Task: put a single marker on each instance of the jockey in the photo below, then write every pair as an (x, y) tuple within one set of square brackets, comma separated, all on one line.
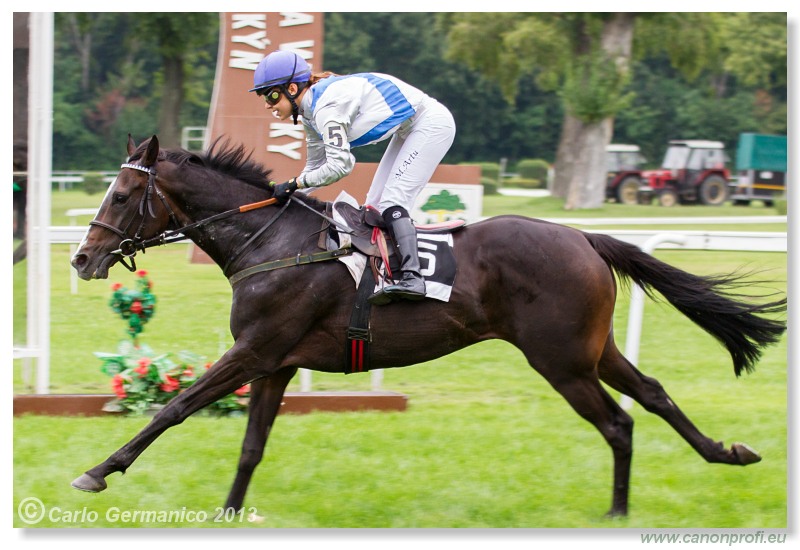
[(340, 112)]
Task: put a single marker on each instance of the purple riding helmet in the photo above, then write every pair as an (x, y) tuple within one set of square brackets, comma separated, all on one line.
[(276, 71)]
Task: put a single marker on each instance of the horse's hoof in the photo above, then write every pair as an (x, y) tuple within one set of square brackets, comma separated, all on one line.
[(745, 454), (89, 484), (616, 514)]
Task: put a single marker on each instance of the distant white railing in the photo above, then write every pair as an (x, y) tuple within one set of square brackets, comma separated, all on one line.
[(707, 240), (648, 240)]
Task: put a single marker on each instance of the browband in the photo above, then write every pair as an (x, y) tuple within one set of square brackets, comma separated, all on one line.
[(137, 167)]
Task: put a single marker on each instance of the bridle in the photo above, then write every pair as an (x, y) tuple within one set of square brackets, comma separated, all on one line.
[(130, 245)]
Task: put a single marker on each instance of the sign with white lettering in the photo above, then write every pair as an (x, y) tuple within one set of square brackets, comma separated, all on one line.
[(240, 116)]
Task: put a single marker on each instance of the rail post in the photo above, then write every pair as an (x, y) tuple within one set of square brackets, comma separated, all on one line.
[(636, 309)]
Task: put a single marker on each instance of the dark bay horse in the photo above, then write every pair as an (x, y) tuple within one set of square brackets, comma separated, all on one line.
[(547, 289)]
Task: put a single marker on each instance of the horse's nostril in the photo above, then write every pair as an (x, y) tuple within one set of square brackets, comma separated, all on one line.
[(79, 260)]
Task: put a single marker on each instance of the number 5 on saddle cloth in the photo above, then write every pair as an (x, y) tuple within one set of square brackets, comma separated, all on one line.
[(367, 236)]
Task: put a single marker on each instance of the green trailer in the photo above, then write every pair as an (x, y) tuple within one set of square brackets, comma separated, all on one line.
[(760, 169)]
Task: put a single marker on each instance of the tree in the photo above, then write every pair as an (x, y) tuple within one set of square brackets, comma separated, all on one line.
[(710, 76), (756, 48), (104, 74), (587, 58), (411, 46), (79, 30), (756, 54), (112, 77), (179, 36)]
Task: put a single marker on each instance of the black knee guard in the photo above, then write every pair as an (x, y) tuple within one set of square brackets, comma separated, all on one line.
[(394, 213)]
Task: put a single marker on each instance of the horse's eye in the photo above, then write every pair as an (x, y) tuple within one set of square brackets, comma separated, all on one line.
[(119, 198)]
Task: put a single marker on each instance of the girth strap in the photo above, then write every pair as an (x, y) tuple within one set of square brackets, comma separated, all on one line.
[(357, 347)]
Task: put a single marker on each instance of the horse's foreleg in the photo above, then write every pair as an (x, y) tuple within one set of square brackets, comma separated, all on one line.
[(616, 371), (266, 395), (594, 404), (226, 376)]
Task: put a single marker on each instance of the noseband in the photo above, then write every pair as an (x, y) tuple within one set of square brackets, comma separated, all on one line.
[(131, 245)]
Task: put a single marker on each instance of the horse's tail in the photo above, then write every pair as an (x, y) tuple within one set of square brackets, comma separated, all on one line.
[(707, 300)]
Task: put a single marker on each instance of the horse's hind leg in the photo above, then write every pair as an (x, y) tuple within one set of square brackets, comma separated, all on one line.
[(227, 375), (616, 371), (266, 395)]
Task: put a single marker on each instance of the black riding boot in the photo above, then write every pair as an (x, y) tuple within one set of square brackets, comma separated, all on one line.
[(411, 285)]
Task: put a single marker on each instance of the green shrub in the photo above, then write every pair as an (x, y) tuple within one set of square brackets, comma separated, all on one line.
[(533, 169), (489, 170), (489, 186), (782, 206)]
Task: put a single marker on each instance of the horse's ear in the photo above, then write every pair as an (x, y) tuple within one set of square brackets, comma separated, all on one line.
[(131, 145), (151, 155)]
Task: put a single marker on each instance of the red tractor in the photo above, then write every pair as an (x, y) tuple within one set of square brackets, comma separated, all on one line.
[(623, 173), (693, 171)]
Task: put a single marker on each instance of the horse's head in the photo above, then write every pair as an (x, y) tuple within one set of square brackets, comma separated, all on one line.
[(128, 215)]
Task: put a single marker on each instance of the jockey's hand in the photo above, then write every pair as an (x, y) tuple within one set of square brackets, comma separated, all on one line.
[(282, 191)]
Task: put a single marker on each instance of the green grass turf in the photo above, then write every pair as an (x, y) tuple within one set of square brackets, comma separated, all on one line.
[(485, 443)]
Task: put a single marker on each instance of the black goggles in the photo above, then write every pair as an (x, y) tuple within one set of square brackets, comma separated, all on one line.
[(272, 95)]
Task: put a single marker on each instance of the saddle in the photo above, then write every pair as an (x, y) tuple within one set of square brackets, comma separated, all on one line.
[(368, 230), (367, 234)]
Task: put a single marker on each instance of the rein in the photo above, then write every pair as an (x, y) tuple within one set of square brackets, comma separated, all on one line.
[(129, 247)]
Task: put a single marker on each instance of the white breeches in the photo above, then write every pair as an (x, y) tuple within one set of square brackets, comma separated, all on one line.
[(413, 154)]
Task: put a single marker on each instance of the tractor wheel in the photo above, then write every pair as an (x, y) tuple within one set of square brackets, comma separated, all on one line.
[(714, 191), (668, 197), (627, 190)]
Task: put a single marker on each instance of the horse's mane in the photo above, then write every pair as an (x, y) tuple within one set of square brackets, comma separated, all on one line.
[(225, 158), (221, 156), (234, 161)]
